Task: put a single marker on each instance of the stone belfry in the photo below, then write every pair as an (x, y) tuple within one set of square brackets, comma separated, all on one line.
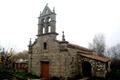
[(47, 22)]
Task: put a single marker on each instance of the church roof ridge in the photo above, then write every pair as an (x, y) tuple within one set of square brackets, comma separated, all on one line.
[(79, 47), (71, 45)]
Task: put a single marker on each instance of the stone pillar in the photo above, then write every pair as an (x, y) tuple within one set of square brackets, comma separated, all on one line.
[(53, 28), (30, 57)]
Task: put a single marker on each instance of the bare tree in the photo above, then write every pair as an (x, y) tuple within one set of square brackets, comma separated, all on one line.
[(21, 55), (114, 51), (98, 44)]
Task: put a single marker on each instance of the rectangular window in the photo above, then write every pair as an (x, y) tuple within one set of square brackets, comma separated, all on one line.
[(45, 45)]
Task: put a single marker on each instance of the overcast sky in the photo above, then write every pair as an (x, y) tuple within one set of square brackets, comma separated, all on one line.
[(80, 19)]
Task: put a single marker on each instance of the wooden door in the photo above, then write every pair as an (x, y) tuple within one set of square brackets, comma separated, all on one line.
[(45, 69)]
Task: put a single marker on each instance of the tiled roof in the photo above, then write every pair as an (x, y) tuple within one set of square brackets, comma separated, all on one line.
[(78, 47), (96, 57), (87, 52)]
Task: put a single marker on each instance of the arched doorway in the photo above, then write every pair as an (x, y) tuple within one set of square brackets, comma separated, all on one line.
[(86, 69)]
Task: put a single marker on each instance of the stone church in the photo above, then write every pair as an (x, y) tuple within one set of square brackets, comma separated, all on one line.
[(49, 57)]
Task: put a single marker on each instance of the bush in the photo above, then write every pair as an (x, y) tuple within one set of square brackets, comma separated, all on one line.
[(24, 75), (5, 74), (114, 74)]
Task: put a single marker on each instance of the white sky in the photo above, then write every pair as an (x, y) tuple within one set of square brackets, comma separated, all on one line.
[(80, 19)]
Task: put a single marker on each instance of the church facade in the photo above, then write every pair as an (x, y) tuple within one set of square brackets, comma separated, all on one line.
[(49, 57)]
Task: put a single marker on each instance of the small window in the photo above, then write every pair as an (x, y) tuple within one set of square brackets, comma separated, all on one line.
[(45, 45)]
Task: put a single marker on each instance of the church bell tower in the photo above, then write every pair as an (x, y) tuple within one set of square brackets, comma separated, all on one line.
[(47, 22)]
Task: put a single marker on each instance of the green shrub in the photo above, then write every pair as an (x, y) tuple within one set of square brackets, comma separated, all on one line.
[(24, 75), (5, 74)]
